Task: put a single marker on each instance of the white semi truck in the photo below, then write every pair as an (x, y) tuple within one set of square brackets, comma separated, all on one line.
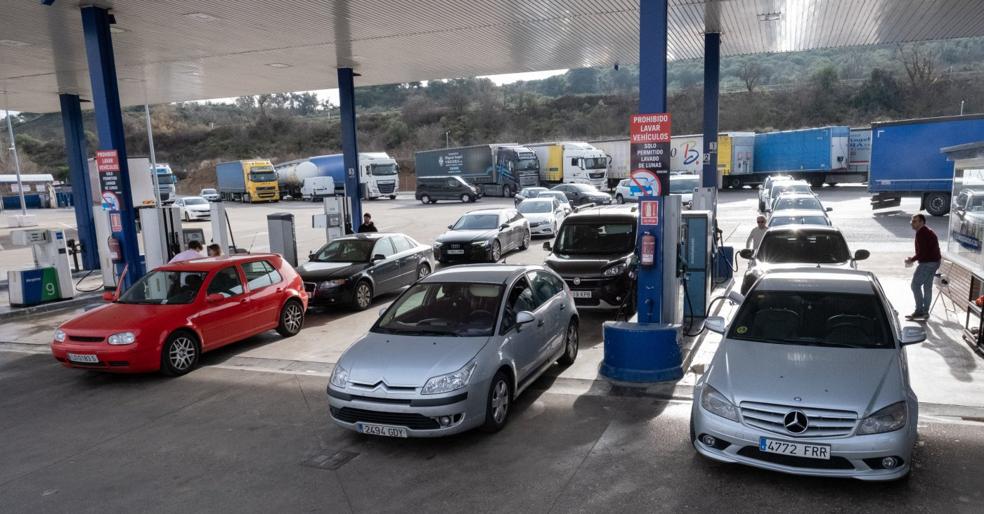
[(378, 174), (571, 162)]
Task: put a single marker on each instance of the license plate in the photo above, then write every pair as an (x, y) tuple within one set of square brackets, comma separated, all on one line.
[(581, 294), (795, 449), (456, 252), (84, 358), (383, 430)]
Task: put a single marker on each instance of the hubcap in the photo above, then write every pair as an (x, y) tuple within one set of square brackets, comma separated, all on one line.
[(182, 353), (496, 251), (424, 271), (500, 401), (571, 340), (292, 318), (464, 198), (363, 296)]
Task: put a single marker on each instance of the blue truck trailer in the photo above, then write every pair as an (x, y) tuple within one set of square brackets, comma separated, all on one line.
[(817, 155), (906, 160)]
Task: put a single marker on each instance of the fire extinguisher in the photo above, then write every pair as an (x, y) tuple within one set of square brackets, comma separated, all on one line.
[(115, 253), (648, 249)]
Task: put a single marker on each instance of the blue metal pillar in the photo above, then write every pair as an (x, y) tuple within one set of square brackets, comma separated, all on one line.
[(78, 172), (350, 145), (712, 72), (109, 124)]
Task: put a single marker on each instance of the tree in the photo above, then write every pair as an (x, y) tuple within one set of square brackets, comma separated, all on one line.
[(880, 93), (753, 74), (582, 81)]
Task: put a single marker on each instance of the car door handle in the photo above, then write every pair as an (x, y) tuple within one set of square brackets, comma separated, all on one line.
[(539, 323), (244, 300), (563, 306)]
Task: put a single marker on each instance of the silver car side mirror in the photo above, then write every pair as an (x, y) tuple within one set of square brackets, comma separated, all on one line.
[(524, 317), (736, 297), (715, 324), (912, 334), (382, 310)]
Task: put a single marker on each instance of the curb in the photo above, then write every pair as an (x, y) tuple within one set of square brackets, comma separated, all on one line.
[(73, 303)]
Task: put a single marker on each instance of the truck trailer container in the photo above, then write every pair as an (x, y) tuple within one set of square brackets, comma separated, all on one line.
[(378, 174), (496, 169), (906, 160), (571, 162), (817, 155), (247, 181), (859, 150)]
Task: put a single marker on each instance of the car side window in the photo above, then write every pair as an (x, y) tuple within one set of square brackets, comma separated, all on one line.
[(383, 247), (452, 184), (543, 287), (401, 244), (226, 282), (520, 299), (260, 274), (516, 216)]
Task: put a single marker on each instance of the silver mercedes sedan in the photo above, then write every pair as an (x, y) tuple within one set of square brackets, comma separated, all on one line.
[(454, 351), (811, 378)]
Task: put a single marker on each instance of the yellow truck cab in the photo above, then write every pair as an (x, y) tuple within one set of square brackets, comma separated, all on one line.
[(247, 181)]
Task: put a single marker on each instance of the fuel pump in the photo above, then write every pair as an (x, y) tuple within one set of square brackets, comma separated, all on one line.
[(51, 277), (280, 228), (162, 234), (332, 220)]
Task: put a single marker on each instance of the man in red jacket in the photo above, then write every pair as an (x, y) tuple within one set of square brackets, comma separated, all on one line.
[(928, 257)]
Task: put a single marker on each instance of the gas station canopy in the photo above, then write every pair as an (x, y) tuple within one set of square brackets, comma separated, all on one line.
[(179, 50)]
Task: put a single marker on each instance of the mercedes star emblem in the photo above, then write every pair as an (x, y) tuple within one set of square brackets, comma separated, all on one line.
[(795, 422), (577, 281)]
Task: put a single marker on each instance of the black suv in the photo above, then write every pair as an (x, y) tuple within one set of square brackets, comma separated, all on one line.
[(593, 253)]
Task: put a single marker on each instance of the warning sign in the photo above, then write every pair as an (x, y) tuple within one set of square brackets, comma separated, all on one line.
[(115, 222), (649, 212), (649, 137), (107, 160)]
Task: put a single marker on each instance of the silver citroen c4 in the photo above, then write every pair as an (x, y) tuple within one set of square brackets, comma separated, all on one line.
[(454, 351), (811, 378)]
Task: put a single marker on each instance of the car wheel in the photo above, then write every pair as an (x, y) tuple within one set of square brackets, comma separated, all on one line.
[(291, 319), (392, 197), (497, 405), (465, 198), (496, 251), (423, 270), (938, 204), (526, 240), (734, 183), (363, 295), (425, 199), (507, 192), (619, 199), (571, 341), (180, 354)]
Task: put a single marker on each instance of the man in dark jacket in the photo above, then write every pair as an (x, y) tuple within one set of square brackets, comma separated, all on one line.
[(367, 224), (928, 257)]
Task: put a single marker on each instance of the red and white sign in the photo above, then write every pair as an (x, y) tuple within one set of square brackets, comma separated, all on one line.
[(107, 160), (649, 128), (115, 222), (647, 182), (649, 212)]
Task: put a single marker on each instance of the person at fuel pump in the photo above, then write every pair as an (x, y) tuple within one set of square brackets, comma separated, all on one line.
[(755, 237), (214, 250), (928, 257), (194, 251), (367, 224)]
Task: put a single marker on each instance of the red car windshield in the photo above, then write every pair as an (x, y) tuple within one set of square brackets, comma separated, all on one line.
[(165, 288)]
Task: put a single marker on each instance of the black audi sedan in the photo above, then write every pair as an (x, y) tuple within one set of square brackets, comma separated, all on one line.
[(483, 236), (352, 270)]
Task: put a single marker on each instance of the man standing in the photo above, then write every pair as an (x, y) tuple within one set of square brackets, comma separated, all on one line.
[(755, 238), (367, 224), (928, 257), (194, 251)]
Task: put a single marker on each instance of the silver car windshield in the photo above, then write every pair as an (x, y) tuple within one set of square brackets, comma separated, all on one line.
[(825, 248), (801, 203), (454, 309), (815, 318)]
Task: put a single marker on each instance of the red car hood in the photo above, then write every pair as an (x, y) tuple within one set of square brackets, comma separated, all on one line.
[(116, 317)]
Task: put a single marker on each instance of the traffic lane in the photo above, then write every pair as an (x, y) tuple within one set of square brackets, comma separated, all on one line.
[(223, 440)]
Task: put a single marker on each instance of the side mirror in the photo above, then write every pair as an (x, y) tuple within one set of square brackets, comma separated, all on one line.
[(214, 298), (503, 226), (547, 247), (746, 253), (715, 324), (524, 317), (861, 255), (382, 310), (310, 255), (912, 334), (829, 209), (378, 257), (109, 296), (736, 297), (450, 227)]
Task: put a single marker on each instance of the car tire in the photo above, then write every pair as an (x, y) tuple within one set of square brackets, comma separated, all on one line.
[(496, 251), (425, 199), (392, 197), (497, 403), (734, 183), (423, 270), (619, 199), (465, 198), (291, 318), (362, 296), (507, 191), (938, 204), (180, 353), (526, 240), (571, 344)]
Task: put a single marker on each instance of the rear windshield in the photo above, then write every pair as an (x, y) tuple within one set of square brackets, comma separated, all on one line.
[(597, 238), (805, 203), (813, 319), (806, 247), (534, 207), (778, 221)]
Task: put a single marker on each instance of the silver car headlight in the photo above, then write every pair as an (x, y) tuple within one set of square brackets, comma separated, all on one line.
[(714, 402), (615, 270), (889, 419), (122, 338), (339, 377), (451, 381), (59, 336)]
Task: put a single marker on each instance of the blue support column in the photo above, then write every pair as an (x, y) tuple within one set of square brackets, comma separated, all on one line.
[(350, 145), (109, 124), (78, 172), (712, 72)]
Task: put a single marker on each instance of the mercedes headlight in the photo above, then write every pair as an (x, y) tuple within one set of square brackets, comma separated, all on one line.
[(451, 381), (59, 336), (889, 419), (714, 402), (615, 270), (339, 377), (122, 338)]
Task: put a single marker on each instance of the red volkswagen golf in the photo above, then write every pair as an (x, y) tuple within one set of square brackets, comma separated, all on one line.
[(176, 312)]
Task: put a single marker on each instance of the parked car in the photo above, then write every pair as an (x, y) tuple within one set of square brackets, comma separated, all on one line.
[(782, 186), (432, 189), (484, 235), (683, 185), (178, 311), (454, 351), (527, 193), (763, 191), (797, 246), (626, 191), (580, 194), (561, 197), (353, 270), (593, 252), (799, 202), (544, 214), (797, 217), (194, 208), (811, 378), (210, 194)]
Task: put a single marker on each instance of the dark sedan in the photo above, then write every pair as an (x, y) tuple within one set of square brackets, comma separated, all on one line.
[(352, 270), (484, 235), (580, 194)]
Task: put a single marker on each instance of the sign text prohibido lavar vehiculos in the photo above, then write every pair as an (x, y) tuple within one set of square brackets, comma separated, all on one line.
[(649, 136)]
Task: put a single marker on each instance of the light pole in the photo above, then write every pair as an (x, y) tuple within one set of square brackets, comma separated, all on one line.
[(13, 149), (447, 138)]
